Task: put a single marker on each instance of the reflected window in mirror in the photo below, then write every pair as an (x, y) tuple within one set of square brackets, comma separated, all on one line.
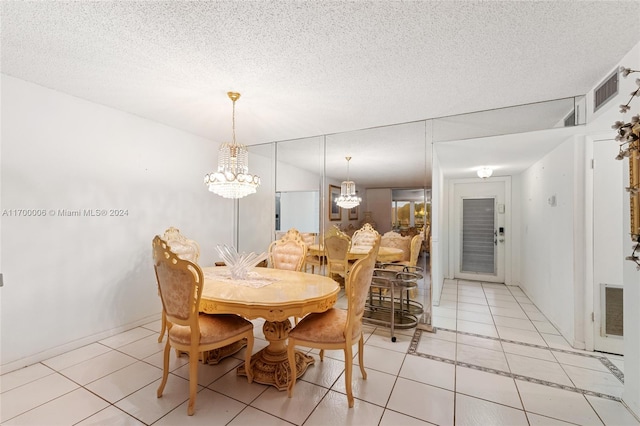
[(410, 209)]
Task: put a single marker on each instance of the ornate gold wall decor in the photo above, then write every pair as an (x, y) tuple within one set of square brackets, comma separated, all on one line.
[(629, 138), (634, 184)]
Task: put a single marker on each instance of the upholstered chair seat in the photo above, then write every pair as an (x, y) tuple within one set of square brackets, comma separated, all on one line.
[(213, 328), (338, 329), (326, 327)]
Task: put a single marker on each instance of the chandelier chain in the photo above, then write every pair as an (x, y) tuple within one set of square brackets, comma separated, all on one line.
[(233, 122)]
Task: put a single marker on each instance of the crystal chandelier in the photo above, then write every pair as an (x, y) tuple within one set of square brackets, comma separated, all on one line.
[(348, 198), (232, 180)]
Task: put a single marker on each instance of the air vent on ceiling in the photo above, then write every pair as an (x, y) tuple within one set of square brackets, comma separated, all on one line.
[(605, 91)]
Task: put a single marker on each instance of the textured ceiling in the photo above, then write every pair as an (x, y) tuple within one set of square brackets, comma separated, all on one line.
[(312, 68)]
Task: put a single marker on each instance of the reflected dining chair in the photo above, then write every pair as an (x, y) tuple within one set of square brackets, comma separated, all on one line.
[(410, 265), (180, 284), (312, 260), (184, 248), (364, 236), (395, 240), (289, 252), (338, 328), (426, 234), (336, 248)]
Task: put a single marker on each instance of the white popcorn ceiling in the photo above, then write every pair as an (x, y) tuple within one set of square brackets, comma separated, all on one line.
[(312, 68)]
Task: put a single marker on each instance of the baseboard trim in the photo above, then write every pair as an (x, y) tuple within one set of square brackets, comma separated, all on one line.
[(59, 350)]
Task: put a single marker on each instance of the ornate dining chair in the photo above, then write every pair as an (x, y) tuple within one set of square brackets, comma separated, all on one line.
[(182, 246), (180, 284), (426, 243), (336, 247), (395, 240), (185, 249), (410, 265), (364, 236), (338, 328), (349, 230), (289, 252), (312, 260)]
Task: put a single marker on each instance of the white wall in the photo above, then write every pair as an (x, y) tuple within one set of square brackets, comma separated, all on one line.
[(256, 214), (547, 236), (292, 178), (69, 281), (516, 229)]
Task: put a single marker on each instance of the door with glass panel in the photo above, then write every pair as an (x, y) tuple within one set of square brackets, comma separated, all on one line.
[(480, 231)]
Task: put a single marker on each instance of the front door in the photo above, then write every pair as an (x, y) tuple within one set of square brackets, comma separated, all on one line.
[(479, 230)]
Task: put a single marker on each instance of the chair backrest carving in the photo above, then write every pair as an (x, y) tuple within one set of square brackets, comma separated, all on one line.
[(364, 236), (182, 246), (180, 285), (395, 240), (336, 247), (289, 252)]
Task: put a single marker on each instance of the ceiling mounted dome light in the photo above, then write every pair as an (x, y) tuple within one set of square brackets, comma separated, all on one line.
[(348, 198), (485, 172), (232, 180)]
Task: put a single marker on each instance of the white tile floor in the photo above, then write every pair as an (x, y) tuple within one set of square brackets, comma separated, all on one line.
[(494, 360)]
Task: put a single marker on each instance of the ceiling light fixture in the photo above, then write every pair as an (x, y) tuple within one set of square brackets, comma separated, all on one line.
[(232, 180), (485, 172), (348, 198)]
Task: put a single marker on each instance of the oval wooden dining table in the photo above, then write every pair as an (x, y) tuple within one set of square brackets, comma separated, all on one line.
[(274, 295)]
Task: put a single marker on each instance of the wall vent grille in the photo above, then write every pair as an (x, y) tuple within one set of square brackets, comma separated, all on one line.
[(613, 312), (605, 91)]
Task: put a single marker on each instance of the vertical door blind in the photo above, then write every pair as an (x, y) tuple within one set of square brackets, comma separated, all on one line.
[(478, 238)]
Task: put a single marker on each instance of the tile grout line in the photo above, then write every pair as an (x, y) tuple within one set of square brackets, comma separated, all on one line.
[(418, 335), (604, 360)]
